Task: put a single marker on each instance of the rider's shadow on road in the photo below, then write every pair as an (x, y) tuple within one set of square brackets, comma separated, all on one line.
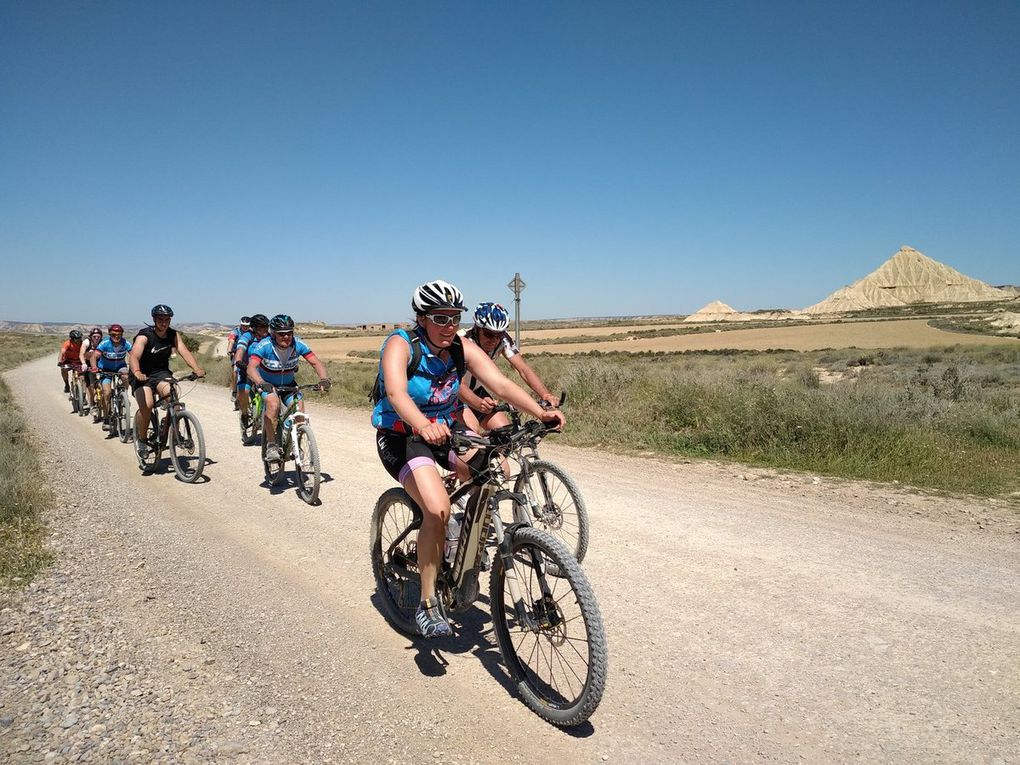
[(289, 482), (473, 634), (165, 466)]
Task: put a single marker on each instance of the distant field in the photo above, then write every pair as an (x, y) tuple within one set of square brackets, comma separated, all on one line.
[(906, 333), (909, 333)]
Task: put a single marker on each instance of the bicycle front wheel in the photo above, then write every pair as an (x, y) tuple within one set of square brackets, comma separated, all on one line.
[(83, 403), (187, 446), (307, 460), (150, 440), (557, 657), (556, 505), (394, 550), (124, 416)]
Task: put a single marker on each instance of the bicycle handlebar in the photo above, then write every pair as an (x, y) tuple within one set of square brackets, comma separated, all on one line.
[(292, 388)]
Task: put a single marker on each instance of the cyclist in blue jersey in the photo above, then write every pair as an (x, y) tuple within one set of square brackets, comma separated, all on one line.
[(273, 361), (111, 359), (259, 324), (424, 401), (232, 339)]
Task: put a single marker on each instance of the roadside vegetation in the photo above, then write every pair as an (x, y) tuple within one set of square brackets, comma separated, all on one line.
[(944, 418), (974, 325), (23, 497)]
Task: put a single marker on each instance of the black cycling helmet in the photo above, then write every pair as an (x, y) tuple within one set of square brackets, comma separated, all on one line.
[(162, 310), (246, 321), (75, 334), (281, 323), (260, 320)]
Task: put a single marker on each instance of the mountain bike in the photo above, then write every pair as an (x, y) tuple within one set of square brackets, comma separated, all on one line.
[(120, 407), (548, 627), (296, 440), (177, 428), (553, 499), (79, 402), (251, 419)]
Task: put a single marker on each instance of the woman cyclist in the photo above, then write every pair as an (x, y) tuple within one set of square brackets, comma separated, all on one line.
[(88, 361), (259, 324), (489, 333), (69, 356), (423, 401)]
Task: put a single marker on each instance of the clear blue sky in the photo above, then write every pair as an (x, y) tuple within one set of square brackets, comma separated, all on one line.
[(323, 158)]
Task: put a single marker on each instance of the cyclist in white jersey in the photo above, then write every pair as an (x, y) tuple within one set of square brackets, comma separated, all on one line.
[(489, 333)]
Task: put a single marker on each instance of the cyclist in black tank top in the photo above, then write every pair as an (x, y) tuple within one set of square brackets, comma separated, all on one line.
[(149, 362)]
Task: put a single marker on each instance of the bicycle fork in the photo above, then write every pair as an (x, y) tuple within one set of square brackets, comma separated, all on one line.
[(545, 614)]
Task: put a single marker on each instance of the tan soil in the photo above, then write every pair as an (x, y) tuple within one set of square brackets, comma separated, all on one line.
[(751, 616), (908, 333)]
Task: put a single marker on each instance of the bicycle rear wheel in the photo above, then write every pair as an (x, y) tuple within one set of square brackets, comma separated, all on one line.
[(73, 395), (557, 505), (558, 657), (308, 473), (394, 551), (187, 446)]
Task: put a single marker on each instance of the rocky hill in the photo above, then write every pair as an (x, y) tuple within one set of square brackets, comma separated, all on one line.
[(908, 277)]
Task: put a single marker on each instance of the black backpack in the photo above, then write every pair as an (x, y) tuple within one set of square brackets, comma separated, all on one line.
[(456, 353)]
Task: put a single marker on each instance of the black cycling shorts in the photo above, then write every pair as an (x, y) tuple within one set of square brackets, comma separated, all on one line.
[(400, 454), (151, 381)]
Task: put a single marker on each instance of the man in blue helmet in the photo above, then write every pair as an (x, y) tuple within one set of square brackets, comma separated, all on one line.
[(489, 333), (273, 361)]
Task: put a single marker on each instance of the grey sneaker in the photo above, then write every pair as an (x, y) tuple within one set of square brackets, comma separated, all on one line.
[(274, 453), (431, 621)]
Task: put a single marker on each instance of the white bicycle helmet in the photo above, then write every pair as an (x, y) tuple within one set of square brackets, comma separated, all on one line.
[(436, 295)]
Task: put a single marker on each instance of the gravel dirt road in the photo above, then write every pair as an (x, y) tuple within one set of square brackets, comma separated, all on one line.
[(751, 616)]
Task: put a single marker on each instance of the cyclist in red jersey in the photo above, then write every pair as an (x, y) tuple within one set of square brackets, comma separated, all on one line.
[(70, 355)]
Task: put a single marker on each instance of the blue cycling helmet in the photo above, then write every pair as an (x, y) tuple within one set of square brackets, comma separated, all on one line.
[(492, 316)]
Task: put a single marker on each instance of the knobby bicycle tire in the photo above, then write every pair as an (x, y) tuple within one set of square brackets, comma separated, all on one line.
[(309, 476), (250, 433), (393, 545), (124, 426), (273, 470), (562, 512), (187, 446), (83, 405), (151, 438), (570, 648)]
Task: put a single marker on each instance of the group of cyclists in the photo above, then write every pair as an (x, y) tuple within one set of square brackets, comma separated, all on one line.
[(432, 378)]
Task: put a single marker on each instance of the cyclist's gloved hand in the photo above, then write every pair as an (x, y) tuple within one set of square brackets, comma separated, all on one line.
[(200, 372), (325, 384), (266, 387), (486, 405)]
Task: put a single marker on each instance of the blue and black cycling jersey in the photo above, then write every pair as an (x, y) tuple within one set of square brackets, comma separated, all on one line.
[(112, 357), (278, 366), (433, 388)]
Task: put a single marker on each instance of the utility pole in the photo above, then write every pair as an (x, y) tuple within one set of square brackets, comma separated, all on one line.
[(517, 286)]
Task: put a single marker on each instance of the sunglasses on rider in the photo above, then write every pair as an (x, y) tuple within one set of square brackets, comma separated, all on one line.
[(443, 319), (492, 334)]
